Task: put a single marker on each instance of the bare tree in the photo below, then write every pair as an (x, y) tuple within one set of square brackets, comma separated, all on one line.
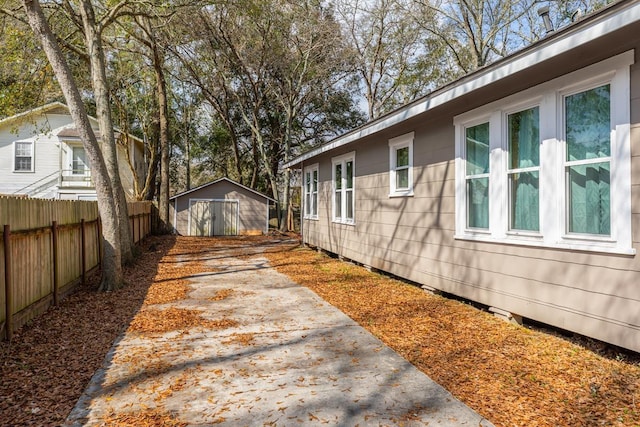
[(387, 45), (475, 32)]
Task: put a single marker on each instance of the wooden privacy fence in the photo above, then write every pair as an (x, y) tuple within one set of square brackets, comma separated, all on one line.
[(47, 247)]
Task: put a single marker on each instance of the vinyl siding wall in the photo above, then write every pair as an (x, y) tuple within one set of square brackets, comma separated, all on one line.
[(46, 151), (253, 209), (590, 293)]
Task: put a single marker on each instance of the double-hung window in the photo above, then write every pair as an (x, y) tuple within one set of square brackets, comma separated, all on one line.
[(23, 156), (401, 165), (587, 123), (550, 166), (477, 176), (523, 169), (343, 188), (311, 192)]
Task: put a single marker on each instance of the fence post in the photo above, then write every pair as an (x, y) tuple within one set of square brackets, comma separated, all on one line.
[(54, 234), (133, 224), (8, 294), (99, 233), (84, 252)]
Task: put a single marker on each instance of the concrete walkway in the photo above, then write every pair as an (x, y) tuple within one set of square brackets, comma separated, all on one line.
[(292, 359)]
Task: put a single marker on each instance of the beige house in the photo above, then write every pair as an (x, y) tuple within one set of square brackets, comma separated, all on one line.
[(220, 208), (517, 186), (42, 156)]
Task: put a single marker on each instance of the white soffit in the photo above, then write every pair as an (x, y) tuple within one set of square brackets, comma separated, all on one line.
[(602, 23)]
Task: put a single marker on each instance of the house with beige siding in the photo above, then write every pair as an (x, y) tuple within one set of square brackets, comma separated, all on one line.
[(516, 186), (220, 208), (42, 156)]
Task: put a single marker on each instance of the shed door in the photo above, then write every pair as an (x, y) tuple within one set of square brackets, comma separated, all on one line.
[(214, 218)]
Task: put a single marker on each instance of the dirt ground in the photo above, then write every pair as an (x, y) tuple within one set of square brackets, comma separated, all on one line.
[(514, 376)]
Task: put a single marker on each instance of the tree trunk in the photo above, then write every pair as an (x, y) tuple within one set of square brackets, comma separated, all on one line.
[(111, 261), (163, 120), (154, 160), (105, 123), (163, 112)]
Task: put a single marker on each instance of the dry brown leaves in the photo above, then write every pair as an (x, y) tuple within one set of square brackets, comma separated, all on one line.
[(512, 375), (48, 364), (245, 339), (172, 280), (174, 319), (222, 294), (146, 418)]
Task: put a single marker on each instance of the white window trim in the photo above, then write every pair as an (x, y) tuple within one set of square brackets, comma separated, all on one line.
[(549, 96), (33, 156), (310, 169), (343, 159), (395, 144)]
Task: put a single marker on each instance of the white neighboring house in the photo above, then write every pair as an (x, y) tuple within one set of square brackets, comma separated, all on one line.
[(41, 156)]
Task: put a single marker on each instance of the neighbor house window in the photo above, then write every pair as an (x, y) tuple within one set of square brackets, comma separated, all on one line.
[(552, 162), (477, 175), (23, 160), (79, 164), (311, 192), (343, 188), (401, 165)]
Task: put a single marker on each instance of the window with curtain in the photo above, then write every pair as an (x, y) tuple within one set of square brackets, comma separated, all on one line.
[(311, 192), (23, 160), (588, 159), (477, 175), (343, 188), (401, 165), (523, 170), (553, 163)]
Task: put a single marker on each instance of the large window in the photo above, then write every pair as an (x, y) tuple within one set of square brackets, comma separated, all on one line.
[(311, 192), (343, 188), (550, 166), (401, 165), (23, 159)]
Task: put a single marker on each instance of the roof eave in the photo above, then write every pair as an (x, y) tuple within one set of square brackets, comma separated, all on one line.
[(215, 182)]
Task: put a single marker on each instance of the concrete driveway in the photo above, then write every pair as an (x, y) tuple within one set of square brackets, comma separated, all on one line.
[(288, 358)]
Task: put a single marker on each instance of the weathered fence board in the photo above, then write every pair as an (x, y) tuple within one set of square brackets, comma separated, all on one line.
[(31, 254)]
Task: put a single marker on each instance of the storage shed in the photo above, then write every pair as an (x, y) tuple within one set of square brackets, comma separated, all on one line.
[(220, 208)]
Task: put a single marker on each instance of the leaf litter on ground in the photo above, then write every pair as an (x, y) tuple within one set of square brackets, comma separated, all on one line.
[(513, 375)]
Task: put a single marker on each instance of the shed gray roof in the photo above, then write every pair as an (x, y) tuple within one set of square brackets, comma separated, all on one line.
[(217, 181)]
